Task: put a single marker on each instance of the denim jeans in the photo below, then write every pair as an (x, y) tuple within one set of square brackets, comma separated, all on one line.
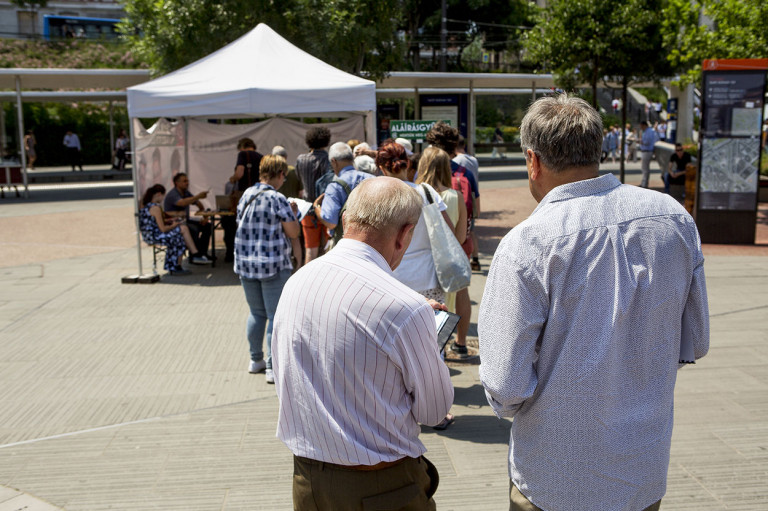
[(262, 296)]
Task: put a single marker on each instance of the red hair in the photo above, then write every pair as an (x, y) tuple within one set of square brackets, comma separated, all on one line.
[(392, 158)]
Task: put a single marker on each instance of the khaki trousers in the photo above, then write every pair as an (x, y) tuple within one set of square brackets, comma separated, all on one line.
[(407, 486), (519, 502)]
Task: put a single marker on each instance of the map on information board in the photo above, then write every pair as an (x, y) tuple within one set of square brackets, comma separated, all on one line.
[(729, 165)]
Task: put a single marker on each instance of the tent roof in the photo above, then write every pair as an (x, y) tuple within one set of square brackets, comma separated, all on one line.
[(56, 79), (260, 73)]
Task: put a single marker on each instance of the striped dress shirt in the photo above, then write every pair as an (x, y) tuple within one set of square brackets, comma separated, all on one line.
[(356, 361), (584, 310)]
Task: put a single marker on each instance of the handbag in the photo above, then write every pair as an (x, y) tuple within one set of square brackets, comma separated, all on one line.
[(451, 264)]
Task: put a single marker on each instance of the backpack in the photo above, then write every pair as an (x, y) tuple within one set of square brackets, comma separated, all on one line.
[(338, 231), (460, 183)]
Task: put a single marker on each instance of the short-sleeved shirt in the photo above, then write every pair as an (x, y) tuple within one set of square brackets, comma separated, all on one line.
[(310, 167), (292, 185), (680, 163), (251, 161), (172, 197), (336, 196), (261, 248)]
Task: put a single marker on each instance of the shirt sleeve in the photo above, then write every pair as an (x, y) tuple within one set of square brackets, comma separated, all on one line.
[(332, 203), (513, 313), (425, 375), (695, 323), (283, 208)]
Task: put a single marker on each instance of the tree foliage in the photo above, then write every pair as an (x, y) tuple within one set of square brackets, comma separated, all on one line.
[(582, 41), (351, 35), (79, 54), (738, 30)]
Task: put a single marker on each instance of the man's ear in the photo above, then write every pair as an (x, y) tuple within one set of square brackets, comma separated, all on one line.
[(401, 238), (535, 165)]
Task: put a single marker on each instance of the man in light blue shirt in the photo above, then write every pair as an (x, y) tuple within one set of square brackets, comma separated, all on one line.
[(589, 306), (648, 140), (329, 204)]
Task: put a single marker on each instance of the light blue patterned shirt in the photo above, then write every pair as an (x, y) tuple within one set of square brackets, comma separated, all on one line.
[(261, 248), (580, 327)]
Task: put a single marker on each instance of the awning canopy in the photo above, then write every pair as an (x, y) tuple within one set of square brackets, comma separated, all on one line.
[(57, 79)]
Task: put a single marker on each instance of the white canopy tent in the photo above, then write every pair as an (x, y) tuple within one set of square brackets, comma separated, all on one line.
[(259, 75)]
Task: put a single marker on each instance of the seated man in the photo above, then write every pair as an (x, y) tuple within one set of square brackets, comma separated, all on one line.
[(675, 174), (177, 203)]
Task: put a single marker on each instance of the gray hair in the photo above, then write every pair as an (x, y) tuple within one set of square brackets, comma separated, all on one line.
[(340, 151), (365, 163), (279, 150), (361, 146), (382, 205), (564, 132)]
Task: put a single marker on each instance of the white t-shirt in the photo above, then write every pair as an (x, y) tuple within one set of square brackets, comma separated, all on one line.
[(417, 269)]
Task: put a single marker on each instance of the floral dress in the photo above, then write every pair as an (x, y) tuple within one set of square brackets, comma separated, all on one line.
[(173, 239)]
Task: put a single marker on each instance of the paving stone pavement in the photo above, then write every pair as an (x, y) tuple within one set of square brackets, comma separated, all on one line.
[(134, 397)]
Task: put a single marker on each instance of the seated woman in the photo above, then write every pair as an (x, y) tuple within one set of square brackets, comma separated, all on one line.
[(173, 233)]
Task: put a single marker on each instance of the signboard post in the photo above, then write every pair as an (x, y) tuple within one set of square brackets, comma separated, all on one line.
[(729, 151)]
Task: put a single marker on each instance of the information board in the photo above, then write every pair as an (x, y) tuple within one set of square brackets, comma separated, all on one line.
[(733, 97), (730, 139)]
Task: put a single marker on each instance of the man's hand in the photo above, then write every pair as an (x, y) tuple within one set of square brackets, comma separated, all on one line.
[(437, 305), (201, 195)]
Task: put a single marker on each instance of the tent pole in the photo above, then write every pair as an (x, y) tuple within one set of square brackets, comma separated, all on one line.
[(22, 153), (136, 196), (186, 145)]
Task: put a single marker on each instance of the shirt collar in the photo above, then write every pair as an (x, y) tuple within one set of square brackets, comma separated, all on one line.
[(594, 186), (364, 251), (348, 167)]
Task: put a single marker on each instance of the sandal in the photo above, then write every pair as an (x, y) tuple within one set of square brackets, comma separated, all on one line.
[(447, 421)]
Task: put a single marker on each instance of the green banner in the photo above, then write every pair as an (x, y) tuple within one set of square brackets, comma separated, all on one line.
[(415, 131)]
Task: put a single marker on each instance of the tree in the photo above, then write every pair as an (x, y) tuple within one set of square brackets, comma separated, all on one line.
[(737, 30), (353, 36), (571, 39), (637, 51), (588, 40)]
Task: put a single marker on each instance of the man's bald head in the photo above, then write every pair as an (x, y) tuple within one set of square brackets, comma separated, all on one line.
[(381, 206)]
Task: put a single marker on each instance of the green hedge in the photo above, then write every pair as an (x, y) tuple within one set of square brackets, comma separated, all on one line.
[(50, 121)]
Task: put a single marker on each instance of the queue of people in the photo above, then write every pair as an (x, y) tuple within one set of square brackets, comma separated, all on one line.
[(348, 336)]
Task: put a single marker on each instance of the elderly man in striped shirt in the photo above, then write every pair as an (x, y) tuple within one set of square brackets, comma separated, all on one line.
[(357, 366)]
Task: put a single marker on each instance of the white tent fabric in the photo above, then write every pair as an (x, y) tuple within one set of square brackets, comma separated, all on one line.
[(211, 153), (259, 74)]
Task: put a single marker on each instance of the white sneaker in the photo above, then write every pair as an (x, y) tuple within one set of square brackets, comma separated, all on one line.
[(199, 259), (257, 367), (270, 376)]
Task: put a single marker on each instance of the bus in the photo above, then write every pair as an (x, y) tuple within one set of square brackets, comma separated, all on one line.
[(78, 27)]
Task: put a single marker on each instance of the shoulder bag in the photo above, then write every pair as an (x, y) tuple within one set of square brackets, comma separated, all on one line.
[(451, 263)]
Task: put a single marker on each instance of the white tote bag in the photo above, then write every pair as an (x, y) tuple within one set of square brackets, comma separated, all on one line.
[(451, 263)]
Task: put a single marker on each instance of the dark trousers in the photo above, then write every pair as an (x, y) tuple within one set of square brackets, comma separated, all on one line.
[(519, 502), (73, 156), (407, 486), (201, 234), (229, 225)]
